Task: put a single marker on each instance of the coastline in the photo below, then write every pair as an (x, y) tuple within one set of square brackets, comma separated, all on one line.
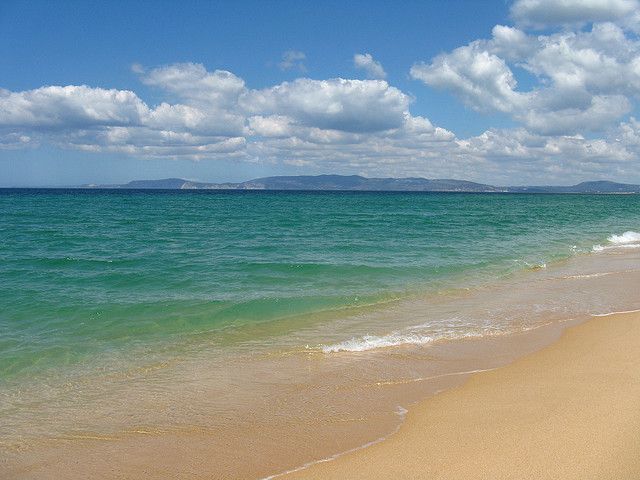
[(566, 411), (197, 451), (196, 388), (533, 416)]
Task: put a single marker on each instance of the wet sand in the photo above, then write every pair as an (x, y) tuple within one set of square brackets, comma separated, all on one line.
[(570, 411), (571, 407), (354, 412)]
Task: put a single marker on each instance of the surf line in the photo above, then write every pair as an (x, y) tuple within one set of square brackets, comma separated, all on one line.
[(614, 313), (400, 411)]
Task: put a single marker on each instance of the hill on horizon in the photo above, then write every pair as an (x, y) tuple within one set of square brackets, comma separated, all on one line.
[(360, 183)]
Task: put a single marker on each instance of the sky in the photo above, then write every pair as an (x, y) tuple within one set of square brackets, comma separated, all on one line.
[(501, 92)]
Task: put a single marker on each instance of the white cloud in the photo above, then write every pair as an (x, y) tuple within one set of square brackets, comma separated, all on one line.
[(214, 114), (582, 81), (361, 126), (293, 60), (545, 13), (602, 61), (96, 119), (55, 107), (512, 44), (373, 68), (598, 111), (335, 104), (148, 143), (500, 157), (481, 79), (271, 126), (192, 83), (203, 121)]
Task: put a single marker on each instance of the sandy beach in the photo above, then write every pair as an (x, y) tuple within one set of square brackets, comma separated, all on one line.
[(253, 240), (569, 411), (182, 374)]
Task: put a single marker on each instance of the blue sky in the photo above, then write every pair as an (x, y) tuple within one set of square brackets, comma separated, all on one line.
[(531, 91)]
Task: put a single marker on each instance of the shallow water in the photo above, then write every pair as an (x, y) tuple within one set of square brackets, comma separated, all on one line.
[(271, 322)]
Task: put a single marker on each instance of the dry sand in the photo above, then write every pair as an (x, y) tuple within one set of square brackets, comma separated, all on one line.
[(569, 411)]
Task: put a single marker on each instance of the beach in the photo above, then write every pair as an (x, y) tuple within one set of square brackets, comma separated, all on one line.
[(135, 345), (569, 411), (253, 240)]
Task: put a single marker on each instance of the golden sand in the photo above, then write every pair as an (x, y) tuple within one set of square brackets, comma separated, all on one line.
[(569, 411)]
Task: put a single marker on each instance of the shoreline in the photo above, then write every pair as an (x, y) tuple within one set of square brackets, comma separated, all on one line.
[(190, 455), (566, 411), (358, 407)]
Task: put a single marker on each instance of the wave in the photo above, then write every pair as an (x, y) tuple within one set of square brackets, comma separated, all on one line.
[(609, 314), (589, 275), (409, 336), (371, 342), (412, 336), (627, 239)]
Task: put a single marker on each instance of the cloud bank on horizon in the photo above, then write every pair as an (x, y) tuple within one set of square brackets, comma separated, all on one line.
[(580, 60)]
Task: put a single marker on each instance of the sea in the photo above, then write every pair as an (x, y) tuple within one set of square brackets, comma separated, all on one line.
[(274, 329)]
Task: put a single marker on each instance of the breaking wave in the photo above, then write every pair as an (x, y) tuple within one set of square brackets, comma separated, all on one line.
[(415, 335), (625, 240), (371, 342)]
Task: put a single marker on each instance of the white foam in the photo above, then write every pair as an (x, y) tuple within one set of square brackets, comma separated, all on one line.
[(625, 240), (613, 313), (371, 342), (590, 275), (409, 336), (412, 336)]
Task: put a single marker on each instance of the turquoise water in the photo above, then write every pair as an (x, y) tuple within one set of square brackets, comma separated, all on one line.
[(84, 273)]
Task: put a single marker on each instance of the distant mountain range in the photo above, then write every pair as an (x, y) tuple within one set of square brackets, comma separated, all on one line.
[(358, 183)]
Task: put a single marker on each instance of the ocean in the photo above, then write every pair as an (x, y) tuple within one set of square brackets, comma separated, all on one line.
[(245, 314)]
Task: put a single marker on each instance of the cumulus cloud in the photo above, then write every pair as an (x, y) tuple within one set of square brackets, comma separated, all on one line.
[(481, 79), (271, 126), (293, 60), (365, 126), (511, 43), (208, 114), (500, 157), (583, 80), (602, 60), (545, 13), (572, 115), (192, 83), (373, 68), (59, 107), (336, 104), (97, 119)]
